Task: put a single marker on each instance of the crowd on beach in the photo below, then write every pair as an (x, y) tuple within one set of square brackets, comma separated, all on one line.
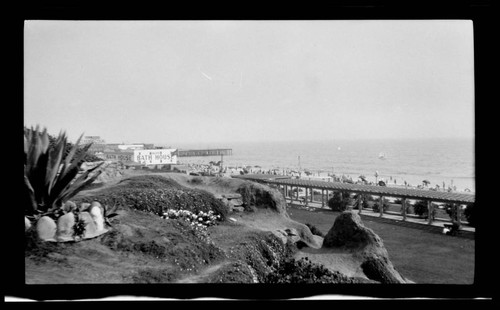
[(216, 168)]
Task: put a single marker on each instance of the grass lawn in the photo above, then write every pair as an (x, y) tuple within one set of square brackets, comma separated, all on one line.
[(421, 256)]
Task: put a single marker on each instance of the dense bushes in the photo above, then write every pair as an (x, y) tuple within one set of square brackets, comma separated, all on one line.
[(376, 205), (339, 201), (420, 209), (304, 271), (468, 213), (157, 194)]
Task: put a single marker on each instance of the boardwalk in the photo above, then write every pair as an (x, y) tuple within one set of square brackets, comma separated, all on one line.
[(449, 197), (204, 152), (292, 187)]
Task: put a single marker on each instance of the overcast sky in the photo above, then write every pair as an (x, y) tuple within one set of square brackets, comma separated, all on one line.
[(224, 81)]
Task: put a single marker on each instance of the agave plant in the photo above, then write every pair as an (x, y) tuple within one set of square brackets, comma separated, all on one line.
[(50, 175), (110, 213)]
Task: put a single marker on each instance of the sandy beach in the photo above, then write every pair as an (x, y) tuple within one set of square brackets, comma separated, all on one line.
[(305, 174)]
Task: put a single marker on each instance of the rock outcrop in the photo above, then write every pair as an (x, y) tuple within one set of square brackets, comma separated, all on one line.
[(262, 196), (349, 233)]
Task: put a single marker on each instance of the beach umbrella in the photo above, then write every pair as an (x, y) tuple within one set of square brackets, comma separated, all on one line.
[(426, 182), (362, 177), (381, 183)]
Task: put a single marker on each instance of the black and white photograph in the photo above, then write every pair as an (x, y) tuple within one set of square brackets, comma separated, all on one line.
[(188, 152)]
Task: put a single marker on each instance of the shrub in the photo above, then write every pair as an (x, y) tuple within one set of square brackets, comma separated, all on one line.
[(157, 194), (451, 211), (420, 209), (50, 174), (364, 200), (314, 230), (376, 207), (304, 271), (337, 204)]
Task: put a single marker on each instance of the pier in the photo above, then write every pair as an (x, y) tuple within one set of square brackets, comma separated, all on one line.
[(292, 187), (204, 152)]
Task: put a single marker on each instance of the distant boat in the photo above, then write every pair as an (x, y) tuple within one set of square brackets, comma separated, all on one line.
[(381, 156)]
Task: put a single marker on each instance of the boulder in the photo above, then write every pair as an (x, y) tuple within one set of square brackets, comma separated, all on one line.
[(262, 196), (299, 236), (65, 225), (97, 216), (349, 233), (238, 209), (293, 235), (282, 235), (232, 196), (84, 206), (90, 226), (69, 206), (97, 204), (236, 202), (27, 224), (229, 205), (46, 229)]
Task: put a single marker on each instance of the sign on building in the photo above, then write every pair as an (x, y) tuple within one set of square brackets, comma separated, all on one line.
[(155, 156), (119, 156)]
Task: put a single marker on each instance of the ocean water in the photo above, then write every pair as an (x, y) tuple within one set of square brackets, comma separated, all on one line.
[(438, 160)]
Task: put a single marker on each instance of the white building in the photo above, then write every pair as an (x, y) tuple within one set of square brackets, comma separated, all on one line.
[(147, 157)]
